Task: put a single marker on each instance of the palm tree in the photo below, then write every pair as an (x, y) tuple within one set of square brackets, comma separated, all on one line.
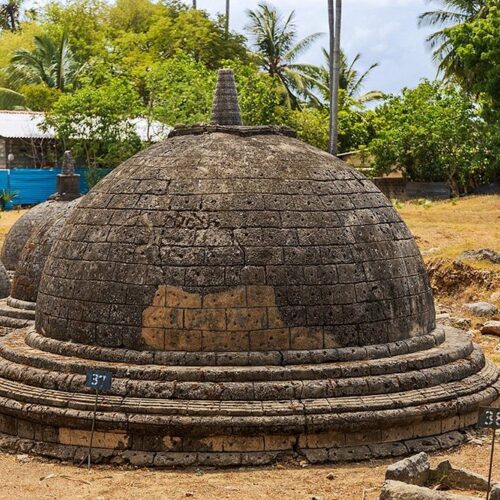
[(335, 22), (350, 78), (226, 20), (275, 39), (453, 12), (9, 15), (10, 99), (49, 62)]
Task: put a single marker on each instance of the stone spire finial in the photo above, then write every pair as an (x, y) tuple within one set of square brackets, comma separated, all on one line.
[(68, 166), (225, 108), (67, 181)]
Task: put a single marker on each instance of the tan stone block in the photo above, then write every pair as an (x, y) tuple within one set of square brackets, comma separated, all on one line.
[(171, 443), (205, 319), (397, 434), (235, 297), (154, 317), (328, 439), (450, 424), (274, 319), (471, 418), (306, 338), (174, 318), (427, 428), (260, 295), (279, 442), (213, 443), (360, 438), (109, 440), (243, 443), (330, 339), (182, 340), (265, 340), (246, 318), (225, 341), (159, 297), (154, 337), (176, 297)]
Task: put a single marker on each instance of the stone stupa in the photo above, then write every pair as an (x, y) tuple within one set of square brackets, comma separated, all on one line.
[(35, 231), (254, 298)]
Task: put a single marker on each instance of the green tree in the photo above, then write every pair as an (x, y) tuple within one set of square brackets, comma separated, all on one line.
[(10, 13), (277, 48), (95, 123), (86, 24), (195, 34), (180, 90), (50, 62), (351, 79), (477, 45), (454, 12), (431, 133)]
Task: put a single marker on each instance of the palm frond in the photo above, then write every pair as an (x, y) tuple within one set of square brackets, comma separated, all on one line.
[(10, 99)]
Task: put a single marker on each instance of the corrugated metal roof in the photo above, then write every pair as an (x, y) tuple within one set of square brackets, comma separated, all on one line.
[(28, 125), (23, 124)]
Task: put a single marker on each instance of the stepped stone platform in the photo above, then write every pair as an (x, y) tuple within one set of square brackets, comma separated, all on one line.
[(386, 401), (254, 298)]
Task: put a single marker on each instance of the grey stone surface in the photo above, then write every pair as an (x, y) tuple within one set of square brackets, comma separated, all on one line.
[(4, 282), (24, 228), (482, 308), (395, 490), (455, 477), (35, 252), (214, 212), (495, 492), (491, 327), (482, 254), (411, 470)]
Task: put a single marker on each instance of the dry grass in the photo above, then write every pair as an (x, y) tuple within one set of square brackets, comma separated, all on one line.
[(447, 228)]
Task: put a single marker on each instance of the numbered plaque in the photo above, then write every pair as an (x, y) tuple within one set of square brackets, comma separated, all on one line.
[(489, 418), (99, 380)]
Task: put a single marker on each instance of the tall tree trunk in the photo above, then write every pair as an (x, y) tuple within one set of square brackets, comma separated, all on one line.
[(335, 23), (227, 18), (331, 23)]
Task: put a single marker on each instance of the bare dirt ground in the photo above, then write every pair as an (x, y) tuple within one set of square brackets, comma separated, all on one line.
[(443, 230)]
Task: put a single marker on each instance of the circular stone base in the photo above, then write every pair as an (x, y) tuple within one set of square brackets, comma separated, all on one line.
[(158, 414), (78, 453)]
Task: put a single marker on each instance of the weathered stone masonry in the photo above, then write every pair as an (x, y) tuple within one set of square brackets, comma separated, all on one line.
[(253, 297)]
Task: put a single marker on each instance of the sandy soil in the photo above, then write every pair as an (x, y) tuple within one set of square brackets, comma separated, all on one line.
[(25, 478), (444, 228)]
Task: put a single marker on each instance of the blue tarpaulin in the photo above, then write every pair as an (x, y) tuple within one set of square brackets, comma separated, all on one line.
[(33, 186)]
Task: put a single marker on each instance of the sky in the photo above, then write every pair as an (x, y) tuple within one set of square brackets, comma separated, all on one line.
[(383, 31)]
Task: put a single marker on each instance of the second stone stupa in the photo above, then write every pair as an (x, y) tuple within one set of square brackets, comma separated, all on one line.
[(27, 246)]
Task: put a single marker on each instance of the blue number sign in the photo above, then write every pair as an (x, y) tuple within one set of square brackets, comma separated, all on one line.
[(99, 380)]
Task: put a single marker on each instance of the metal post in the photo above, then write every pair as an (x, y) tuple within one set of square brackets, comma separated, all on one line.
[(491, 463), (93, 427)]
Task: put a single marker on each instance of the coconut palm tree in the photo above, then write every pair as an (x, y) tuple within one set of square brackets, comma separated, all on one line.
[(277, 48), (350, 78), (9, 15), (334, 73), (453, 12), (49, 62), (226, 20), (10, 99)]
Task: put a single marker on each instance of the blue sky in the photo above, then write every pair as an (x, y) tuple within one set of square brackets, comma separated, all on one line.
[(383, 31)]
